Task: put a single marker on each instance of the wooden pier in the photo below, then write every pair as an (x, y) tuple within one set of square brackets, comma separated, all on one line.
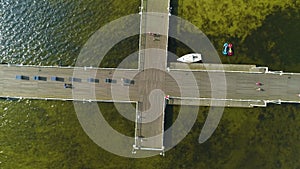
[(153, 81)]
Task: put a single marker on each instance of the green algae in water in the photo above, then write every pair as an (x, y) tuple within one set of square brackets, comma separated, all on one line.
[(47, 134)]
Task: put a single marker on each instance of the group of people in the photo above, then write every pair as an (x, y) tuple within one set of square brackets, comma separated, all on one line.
[(259, 84), (66, 85)]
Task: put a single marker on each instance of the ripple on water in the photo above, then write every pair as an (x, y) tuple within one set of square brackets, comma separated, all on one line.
[(35, 32)]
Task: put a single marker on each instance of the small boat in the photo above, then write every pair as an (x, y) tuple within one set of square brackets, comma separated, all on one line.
[(225, 49), (190, 58)]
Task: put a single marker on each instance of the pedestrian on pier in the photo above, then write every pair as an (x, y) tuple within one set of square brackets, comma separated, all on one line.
[(258, 84), (260, 89)]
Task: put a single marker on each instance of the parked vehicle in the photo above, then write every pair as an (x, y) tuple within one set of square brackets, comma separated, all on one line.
[(225, 49), (230, 49)]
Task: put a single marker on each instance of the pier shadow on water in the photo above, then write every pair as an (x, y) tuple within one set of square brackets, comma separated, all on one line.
[(170, 116)]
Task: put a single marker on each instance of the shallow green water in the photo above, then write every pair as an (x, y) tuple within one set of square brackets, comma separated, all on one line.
[(47, 134)]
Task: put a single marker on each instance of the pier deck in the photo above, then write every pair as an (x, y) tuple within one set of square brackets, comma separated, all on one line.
[(149, 89), (152, 64), (153, 81)]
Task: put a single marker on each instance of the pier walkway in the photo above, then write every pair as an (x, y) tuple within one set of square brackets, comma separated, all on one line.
[(149, 89), (152, 64), (152, 82)]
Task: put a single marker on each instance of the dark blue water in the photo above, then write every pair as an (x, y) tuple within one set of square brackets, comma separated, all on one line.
[(39, 32)]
